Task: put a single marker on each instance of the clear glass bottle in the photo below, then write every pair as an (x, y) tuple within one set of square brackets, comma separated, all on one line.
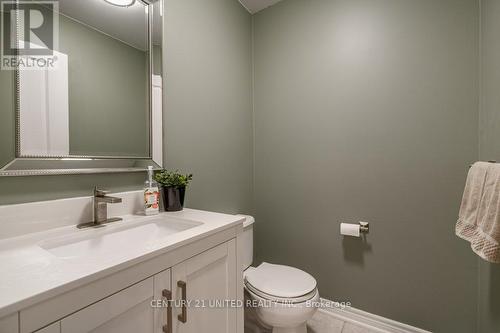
[(151, 195)]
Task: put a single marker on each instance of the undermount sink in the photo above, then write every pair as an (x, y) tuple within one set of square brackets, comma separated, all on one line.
[(113, 240)]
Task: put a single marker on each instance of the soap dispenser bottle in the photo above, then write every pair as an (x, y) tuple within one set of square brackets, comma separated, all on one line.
[(151, 194)]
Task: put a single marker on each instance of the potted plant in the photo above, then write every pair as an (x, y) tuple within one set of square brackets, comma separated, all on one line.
[(173, 189)]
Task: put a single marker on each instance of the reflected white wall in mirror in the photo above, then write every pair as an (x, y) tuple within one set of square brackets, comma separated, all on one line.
[(44, 110), (157, 119)]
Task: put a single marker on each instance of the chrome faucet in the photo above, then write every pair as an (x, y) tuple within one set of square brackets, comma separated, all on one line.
[(101, 201)]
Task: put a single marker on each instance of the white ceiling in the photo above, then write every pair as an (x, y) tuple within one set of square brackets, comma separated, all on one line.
[(253, 6)]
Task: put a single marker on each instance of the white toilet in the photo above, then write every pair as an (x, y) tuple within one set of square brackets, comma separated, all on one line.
[(283, 297)]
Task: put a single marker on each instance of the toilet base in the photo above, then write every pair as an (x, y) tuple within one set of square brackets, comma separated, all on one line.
[(299, 329)]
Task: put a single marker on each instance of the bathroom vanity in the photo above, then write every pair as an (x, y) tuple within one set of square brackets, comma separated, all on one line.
[(55, 277), (117, 278)]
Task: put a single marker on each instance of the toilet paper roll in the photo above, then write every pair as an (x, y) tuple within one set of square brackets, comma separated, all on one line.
[(350, 229)]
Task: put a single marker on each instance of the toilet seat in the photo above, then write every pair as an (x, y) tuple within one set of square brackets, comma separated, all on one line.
[(279, 283)]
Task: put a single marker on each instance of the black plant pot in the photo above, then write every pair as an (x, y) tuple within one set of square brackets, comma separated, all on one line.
[(173, 198)]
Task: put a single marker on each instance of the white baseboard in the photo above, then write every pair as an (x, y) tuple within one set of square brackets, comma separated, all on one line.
[(370, 321)]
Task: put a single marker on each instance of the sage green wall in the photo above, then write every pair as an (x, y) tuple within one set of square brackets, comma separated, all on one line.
[(28, 189), (209, 101), (489, 127), (367, 110), (489, 148), (106, 82)]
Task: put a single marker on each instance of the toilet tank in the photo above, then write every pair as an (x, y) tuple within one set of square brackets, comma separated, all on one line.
[(247, 241)]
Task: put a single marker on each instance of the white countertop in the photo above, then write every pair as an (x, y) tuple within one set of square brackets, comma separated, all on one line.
[(31, 273)]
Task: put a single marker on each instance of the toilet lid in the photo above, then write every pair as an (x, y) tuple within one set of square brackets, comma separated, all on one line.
[(280, 281)]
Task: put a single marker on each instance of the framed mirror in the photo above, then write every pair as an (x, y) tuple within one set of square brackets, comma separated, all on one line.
[(91, 102)]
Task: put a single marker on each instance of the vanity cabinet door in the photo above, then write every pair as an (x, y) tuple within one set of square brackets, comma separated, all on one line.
[(163, 314), (9, 324), (128, 311), (202, 281)]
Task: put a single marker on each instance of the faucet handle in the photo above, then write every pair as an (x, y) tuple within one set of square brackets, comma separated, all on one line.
[(100, 192)]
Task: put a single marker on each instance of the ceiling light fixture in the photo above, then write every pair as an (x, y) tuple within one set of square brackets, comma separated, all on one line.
[(121, 3)]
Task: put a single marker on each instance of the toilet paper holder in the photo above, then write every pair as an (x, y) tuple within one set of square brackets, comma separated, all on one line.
[(354, 230), (364, 227)]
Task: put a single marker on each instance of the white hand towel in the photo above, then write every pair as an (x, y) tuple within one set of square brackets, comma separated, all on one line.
[(479, 216)]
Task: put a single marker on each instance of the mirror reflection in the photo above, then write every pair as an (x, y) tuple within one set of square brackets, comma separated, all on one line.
[(96, 101)]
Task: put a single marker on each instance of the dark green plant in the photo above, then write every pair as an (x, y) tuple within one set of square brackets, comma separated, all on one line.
[(173, 178)]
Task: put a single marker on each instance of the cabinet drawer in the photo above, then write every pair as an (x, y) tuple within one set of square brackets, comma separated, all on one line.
[(127, 311)]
